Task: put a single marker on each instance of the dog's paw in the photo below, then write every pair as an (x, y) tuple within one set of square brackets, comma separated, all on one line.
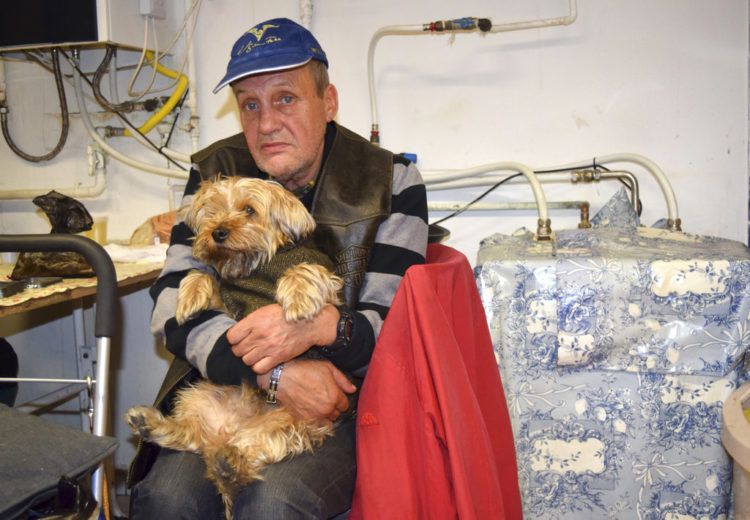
[(303, 290), (297, 310), (198, 292), (138, 420)]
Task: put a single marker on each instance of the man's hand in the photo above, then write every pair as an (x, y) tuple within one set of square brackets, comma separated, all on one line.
[(312, 389), (263, 339)]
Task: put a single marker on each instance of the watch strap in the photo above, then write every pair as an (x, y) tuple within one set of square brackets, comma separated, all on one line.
[(344, 332), (273, 384)]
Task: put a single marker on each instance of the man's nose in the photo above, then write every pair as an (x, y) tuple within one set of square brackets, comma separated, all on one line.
[(269, 120)]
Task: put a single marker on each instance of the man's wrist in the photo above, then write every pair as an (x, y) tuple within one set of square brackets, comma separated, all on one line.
[(344, 333)]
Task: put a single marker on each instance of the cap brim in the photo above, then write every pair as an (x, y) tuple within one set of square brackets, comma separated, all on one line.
[(234, 76)]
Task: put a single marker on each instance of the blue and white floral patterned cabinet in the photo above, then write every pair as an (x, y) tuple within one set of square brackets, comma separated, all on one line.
[(617, 347)]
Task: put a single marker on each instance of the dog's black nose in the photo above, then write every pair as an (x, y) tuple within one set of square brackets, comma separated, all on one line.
[(220, 234)]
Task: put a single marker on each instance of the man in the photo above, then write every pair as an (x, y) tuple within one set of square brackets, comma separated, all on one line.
[(371, 214)]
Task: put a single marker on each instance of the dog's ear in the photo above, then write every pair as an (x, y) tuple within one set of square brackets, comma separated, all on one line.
[(289, 214), (193, 209)]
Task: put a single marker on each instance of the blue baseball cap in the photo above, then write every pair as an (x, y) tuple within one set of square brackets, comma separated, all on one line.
[(273, 45)]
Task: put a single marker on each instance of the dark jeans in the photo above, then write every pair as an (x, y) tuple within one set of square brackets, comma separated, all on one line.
[(315, 485)]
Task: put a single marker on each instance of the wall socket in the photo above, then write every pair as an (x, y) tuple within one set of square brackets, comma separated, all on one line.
[(153, 8)]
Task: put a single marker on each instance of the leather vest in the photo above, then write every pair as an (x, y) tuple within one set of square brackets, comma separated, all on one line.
[(352, 198)]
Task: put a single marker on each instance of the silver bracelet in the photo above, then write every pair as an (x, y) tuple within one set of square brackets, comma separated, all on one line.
[(273, 384)]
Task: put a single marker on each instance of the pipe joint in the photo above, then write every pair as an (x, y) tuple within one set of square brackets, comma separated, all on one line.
[(585, 223), (375, 135), (544, 229), (459, 24), (148, 105), (113, 131), (577, 176)]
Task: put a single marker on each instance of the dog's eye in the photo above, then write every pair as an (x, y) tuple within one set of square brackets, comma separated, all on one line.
[(249, 211)]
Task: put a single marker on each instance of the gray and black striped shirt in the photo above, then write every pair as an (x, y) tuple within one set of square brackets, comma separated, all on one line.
[(400, 242)]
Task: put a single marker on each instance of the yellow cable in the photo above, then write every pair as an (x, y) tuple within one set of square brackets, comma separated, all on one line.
[(182, 84), (105, 495)]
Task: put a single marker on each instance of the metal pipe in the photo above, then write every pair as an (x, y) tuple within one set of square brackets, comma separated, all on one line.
[(624, 175), (673, 220), (101, 405), (503, 206), (42, 380), (51, 400)]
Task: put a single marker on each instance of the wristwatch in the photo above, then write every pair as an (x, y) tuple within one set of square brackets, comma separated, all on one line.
[(273, 384), (344, 330)]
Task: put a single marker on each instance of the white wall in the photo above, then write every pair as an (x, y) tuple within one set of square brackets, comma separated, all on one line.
[(665, 79)]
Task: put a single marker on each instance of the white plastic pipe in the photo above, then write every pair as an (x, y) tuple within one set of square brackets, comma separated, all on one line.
[(166, 172), (305, 13), (489, 180), (470, 177), (483, 180), (77, 192), (380, 33), (192, 100), (191, 9), (531, 177), (477, 179), (538, 24), (392, 30)]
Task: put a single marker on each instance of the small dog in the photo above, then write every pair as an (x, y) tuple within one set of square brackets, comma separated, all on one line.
[(253, 233)]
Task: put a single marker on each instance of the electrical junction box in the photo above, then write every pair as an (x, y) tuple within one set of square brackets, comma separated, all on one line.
[(154, 8), (33, 24)]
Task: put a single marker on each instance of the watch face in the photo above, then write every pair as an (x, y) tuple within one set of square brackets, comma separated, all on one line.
[(343, 333), (345, 326)]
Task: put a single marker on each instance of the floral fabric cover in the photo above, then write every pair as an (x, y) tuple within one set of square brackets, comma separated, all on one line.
[(617, 347)]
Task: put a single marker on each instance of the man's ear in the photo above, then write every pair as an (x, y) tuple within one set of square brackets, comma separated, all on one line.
[(331, 99)]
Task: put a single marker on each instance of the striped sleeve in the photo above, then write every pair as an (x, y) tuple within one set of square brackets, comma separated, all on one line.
[(400, 242), (202, 340)]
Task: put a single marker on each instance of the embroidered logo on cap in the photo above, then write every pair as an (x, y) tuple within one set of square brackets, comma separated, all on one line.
[(258, 32)]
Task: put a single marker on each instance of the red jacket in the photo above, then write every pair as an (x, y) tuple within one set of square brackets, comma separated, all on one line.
[(434, 439)]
